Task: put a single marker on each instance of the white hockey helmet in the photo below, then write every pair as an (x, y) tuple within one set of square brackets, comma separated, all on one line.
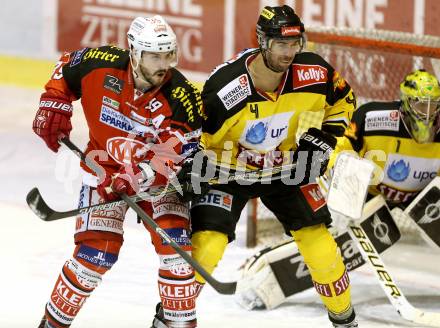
[(152, 34)]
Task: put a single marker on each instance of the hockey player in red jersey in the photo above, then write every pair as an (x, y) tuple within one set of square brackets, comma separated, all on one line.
[(144, 117), (254, 105)]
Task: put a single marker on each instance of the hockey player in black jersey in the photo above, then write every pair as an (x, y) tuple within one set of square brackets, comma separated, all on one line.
[(256, 104), (402, 137)]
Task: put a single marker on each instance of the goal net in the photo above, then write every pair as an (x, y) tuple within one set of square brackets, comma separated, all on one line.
[(373, 62)]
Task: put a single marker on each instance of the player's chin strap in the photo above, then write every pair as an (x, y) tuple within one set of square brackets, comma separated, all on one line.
[(221, 287), (347, 181)]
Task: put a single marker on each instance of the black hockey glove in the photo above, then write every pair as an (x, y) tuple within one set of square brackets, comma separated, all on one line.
[(313, 151), (191, 175)]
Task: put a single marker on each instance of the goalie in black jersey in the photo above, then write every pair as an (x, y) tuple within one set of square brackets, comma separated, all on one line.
[(401, 137), (256, 104)]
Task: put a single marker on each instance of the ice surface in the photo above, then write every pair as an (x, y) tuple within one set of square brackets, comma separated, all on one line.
[(33, 251)]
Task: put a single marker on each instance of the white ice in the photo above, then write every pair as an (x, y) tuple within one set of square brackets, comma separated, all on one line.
[(33, 251)]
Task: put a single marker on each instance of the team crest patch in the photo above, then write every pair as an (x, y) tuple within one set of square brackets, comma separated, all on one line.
[(382, 120), (235, 91)]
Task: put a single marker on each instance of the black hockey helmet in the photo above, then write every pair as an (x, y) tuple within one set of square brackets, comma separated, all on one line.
[(278, 22)]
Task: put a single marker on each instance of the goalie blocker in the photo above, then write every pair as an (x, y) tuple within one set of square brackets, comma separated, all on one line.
[(277, 272), (425, 211)]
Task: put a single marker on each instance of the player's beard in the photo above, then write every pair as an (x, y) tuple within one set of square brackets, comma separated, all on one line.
[(152, 79), (278, 63)]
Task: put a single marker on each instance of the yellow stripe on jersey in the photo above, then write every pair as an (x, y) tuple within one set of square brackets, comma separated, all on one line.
[(267, 126), (261, 127)]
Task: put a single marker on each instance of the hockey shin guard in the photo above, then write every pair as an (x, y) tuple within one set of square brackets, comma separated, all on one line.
[(78, 278), (208, 249), (324, 261), (176, 281)]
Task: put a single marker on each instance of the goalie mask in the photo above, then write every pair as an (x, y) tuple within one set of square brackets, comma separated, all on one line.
[(153, 49), (280, 35), (420, 95)]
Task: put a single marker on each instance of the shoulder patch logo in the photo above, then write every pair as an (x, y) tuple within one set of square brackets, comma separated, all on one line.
[(382, 120), (77, 56), (235, 91), (305, 75)]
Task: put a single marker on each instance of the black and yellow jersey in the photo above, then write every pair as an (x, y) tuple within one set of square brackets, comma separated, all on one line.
[(377, 132), (255, 127)]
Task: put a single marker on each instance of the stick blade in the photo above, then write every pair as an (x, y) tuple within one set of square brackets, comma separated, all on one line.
[(37, 204), (224, 288)]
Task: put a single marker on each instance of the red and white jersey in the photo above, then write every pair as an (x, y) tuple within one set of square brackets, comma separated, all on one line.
[(125, 126)]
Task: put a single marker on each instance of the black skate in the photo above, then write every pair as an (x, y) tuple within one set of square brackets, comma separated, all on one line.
[(346, 319), (159, 320)]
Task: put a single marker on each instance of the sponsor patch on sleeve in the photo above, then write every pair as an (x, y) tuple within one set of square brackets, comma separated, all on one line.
[(313, 196), (235, 91)]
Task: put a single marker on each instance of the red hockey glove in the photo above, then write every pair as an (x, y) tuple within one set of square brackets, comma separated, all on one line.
[(52, 121), (130, 179)]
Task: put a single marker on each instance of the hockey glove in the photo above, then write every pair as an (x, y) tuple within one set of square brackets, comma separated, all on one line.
[(314, 149), (52, 121), (190, 177), (130, 179)]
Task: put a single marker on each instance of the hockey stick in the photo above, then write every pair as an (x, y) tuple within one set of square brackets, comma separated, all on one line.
[(351, 180), (40, 207), (386, 281), (226, 288)]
